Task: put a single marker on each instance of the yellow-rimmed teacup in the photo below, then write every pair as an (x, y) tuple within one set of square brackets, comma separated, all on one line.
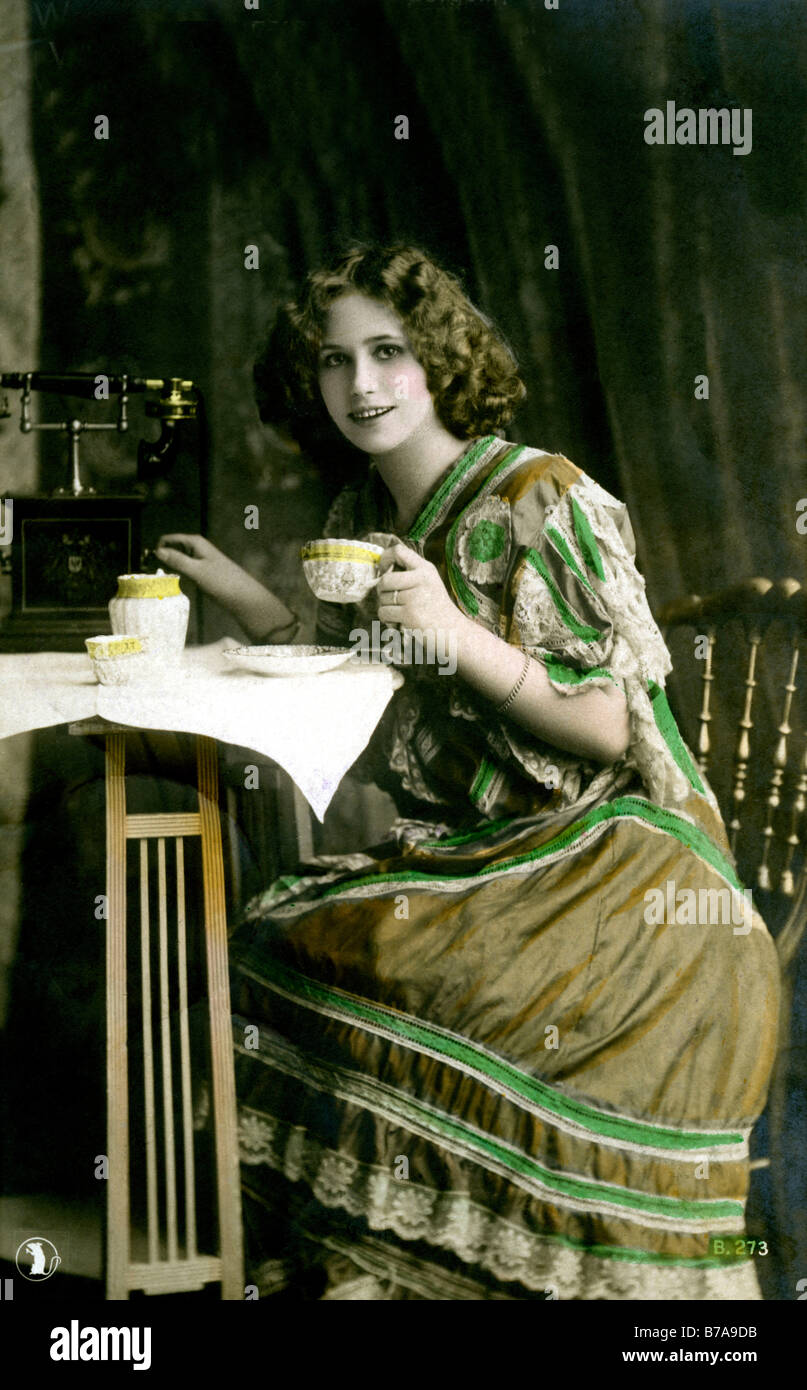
[(119, 659), (341, 571)]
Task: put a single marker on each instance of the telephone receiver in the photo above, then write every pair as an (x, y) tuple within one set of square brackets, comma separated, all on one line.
[(177, 399)]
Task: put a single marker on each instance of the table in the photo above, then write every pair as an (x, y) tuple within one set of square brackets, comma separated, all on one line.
[(314, 727)]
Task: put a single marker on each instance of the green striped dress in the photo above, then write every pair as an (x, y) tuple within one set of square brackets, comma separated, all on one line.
[(517, 1051)]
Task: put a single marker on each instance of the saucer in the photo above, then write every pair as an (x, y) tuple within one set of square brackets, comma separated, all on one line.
[(288, 661)]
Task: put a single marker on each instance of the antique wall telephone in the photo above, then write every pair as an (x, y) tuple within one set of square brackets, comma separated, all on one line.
[(69, 546)]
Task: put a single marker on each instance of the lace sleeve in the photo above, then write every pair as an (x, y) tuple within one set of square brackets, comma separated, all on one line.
[(579, 606)]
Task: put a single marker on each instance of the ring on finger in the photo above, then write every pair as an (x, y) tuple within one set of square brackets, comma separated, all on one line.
[(395, 598)]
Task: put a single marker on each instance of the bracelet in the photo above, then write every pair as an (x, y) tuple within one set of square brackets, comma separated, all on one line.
[(505, 704)]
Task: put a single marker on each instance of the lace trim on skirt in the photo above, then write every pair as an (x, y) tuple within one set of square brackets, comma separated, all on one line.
[(451, 1221)]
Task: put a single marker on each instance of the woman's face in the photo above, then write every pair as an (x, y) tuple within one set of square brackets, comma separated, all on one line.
[(372, 384)]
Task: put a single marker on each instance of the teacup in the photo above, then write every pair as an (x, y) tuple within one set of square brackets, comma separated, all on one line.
[(341, 571), (119, 659)]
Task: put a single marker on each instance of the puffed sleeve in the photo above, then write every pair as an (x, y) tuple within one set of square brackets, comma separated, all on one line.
[(576, 602)]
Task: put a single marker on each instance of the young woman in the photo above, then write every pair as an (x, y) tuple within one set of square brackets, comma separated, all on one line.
[(491, 1062)]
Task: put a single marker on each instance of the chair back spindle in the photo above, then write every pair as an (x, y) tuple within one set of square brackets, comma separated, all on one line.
[(779, 765), (755, 798), (705, 716), (742, 752), (796, 815)]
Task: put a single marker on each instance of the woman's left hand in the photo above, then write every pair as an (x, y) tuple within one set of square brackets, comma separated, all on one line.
[(412, 594)]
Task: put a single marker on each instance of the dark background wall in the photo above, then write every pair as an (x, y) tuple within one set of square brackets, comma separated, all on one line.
[(275, 127)]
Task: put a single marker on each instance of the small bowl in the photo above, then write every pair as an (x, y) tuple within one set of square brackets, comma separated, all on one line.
[(341, 571), (120, 659)]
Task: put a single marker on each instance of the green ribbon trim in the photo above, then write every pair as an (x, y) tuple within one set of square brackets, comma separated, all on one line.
[(458, 472), (586, 541), (478, 833), (581, 630), (562, 547), (285, 881), (461, 590), (505, 463), (667, 727), (567, 675), (456, 1050), (689, 835), (483, 779)]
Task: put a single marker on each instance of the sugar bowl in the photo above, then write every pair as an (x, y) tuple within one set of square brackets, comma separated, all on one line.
[(154, 606)]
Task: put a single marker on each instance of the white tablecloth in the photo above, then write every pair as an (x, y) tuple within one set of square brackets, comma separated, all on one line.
[(313, 726)]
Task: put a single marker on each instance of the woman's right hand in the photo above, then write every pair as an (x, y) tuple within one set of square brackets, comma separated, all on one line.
[(198, 559)]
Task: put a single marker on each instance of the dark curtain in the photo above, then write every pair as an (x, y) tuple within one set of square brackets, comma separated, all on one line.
[(526, 131), (275, 128)]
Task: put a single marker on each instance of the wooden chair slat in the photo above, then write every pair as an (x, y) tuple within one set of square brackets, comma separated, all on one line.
[(152, 1206), (167, 1067), (185, 1058)]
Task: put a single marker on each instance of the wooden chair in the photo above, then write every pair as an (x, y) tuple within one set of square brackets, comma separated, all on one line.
[(744, 714)]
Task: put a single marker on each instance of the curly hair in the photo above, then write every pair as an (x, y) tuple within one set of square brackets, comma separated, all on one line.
[(471, 372)]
